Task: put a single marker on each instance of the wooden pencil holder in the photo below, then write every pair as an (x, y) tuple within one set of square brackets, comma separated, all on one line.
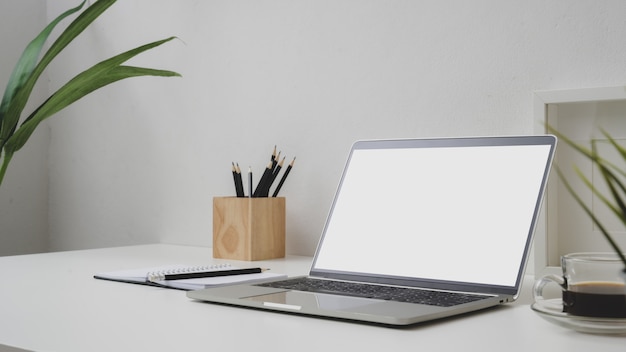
[(248, 228)]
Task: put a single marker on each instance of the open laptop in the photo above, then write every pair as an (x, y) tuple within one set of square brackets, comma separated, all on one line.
[(453, 216)]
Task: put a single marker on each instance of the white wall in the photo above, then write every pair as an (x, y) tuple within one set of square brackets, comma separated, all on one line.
[(140, 161), (24, 194)]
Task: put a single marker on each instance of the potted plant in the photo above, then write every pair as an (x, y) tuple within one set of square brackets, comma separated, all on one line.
[(615, 200), (15, 129)]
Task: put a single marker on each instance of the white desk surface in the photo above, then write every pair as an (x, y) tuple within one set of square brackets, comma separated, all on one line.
[(50, 302)]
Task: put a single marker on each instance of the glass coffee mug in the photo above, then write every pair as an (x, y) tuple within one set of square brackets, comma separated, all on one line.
[(592, 285)]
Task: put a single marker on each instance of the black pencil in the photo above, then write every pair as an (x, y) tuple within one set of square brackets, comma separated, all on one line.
[(267, 174), (235, 178), (273, 158), (269, 181), (250, 181), (202, 274), (282, 180), (275, 161), (275, 174), (238, 182)]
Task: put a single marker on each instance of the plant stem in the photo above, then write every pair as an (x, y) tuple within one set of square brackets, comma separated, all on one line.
[(5, 164)]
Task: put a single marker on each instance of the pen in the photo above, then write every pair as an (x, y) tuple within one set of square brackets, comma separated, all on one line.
[(197, 275), (282, 180)]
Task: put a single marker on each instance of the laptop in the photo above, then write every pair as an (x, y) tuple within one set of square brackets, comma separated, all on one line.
[(415, 218)]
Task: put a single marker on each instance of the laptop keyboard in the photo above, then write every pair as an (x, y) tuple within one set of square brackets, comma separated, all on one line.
[(388, 293)]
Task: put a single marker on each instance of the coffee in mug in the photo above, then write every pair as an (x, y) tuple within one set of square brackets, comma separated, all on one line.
[(591, 285), (596, 299)]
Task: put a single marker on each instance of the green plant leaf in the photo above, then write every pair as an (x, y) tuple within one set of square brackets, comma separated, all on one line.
[(587, 152), (106, 72), (608, 170), (620, 149), (17, 104), (596, 192), (616, 186), (590, 213), (612, 182), (5, 163), (23, 70), (98, 76)]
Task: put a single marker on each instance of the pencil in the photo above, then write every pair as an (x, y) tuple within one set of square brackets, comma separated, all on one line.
[(202, 274), (267, 174), (275, 161), (273, 158), (235, 178), (238, 182), (275, 173), (269, 180), (282, 180), (250, 181)]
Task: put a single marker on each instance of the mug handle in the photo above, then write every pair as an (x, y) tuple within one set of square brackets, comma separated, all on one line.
[(539, 285)]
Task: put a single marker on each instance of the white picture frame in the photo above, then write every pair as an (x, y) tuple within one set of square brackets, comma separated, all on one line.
[(545, 105)]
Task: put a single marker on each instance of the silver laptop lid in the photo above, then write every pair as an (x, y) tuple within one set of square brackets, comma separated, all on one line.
[(452, 213)]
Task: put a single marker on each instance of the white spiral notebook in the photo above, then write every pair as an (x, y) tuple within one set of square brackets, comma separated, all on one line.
[(141, 276)]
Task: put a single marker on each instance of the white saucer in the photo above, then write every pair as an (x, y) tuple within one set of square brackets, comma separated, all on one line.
[(552, 311)]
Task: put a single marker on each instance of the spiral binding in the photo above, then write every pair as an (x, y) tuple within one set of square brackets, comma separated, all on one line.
[(160, 275)]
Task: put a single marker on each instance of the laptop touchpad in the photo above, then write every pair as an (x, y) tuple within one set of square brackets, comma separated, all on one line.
[(295, 300)]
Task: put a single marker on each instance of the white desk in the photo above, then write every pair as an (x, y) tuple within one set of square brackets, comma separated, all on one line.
[(50, 302)]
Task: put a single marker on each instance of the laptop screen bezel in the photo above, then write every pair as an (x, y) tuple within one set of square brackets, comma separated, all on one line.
[(546, 140)]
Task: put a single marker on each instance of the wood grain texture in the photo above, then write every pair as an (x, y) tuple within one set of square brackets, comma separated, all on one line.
[(249, 228)]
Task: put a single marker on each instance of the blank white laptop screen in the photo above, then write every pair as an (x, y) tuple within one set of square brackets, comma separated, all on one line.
[(462, 214)]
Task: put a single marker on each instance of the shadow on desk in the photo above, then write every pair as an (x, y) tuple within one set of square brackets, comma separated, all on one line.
[(447, 320), (5, 348), (359, 322)]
